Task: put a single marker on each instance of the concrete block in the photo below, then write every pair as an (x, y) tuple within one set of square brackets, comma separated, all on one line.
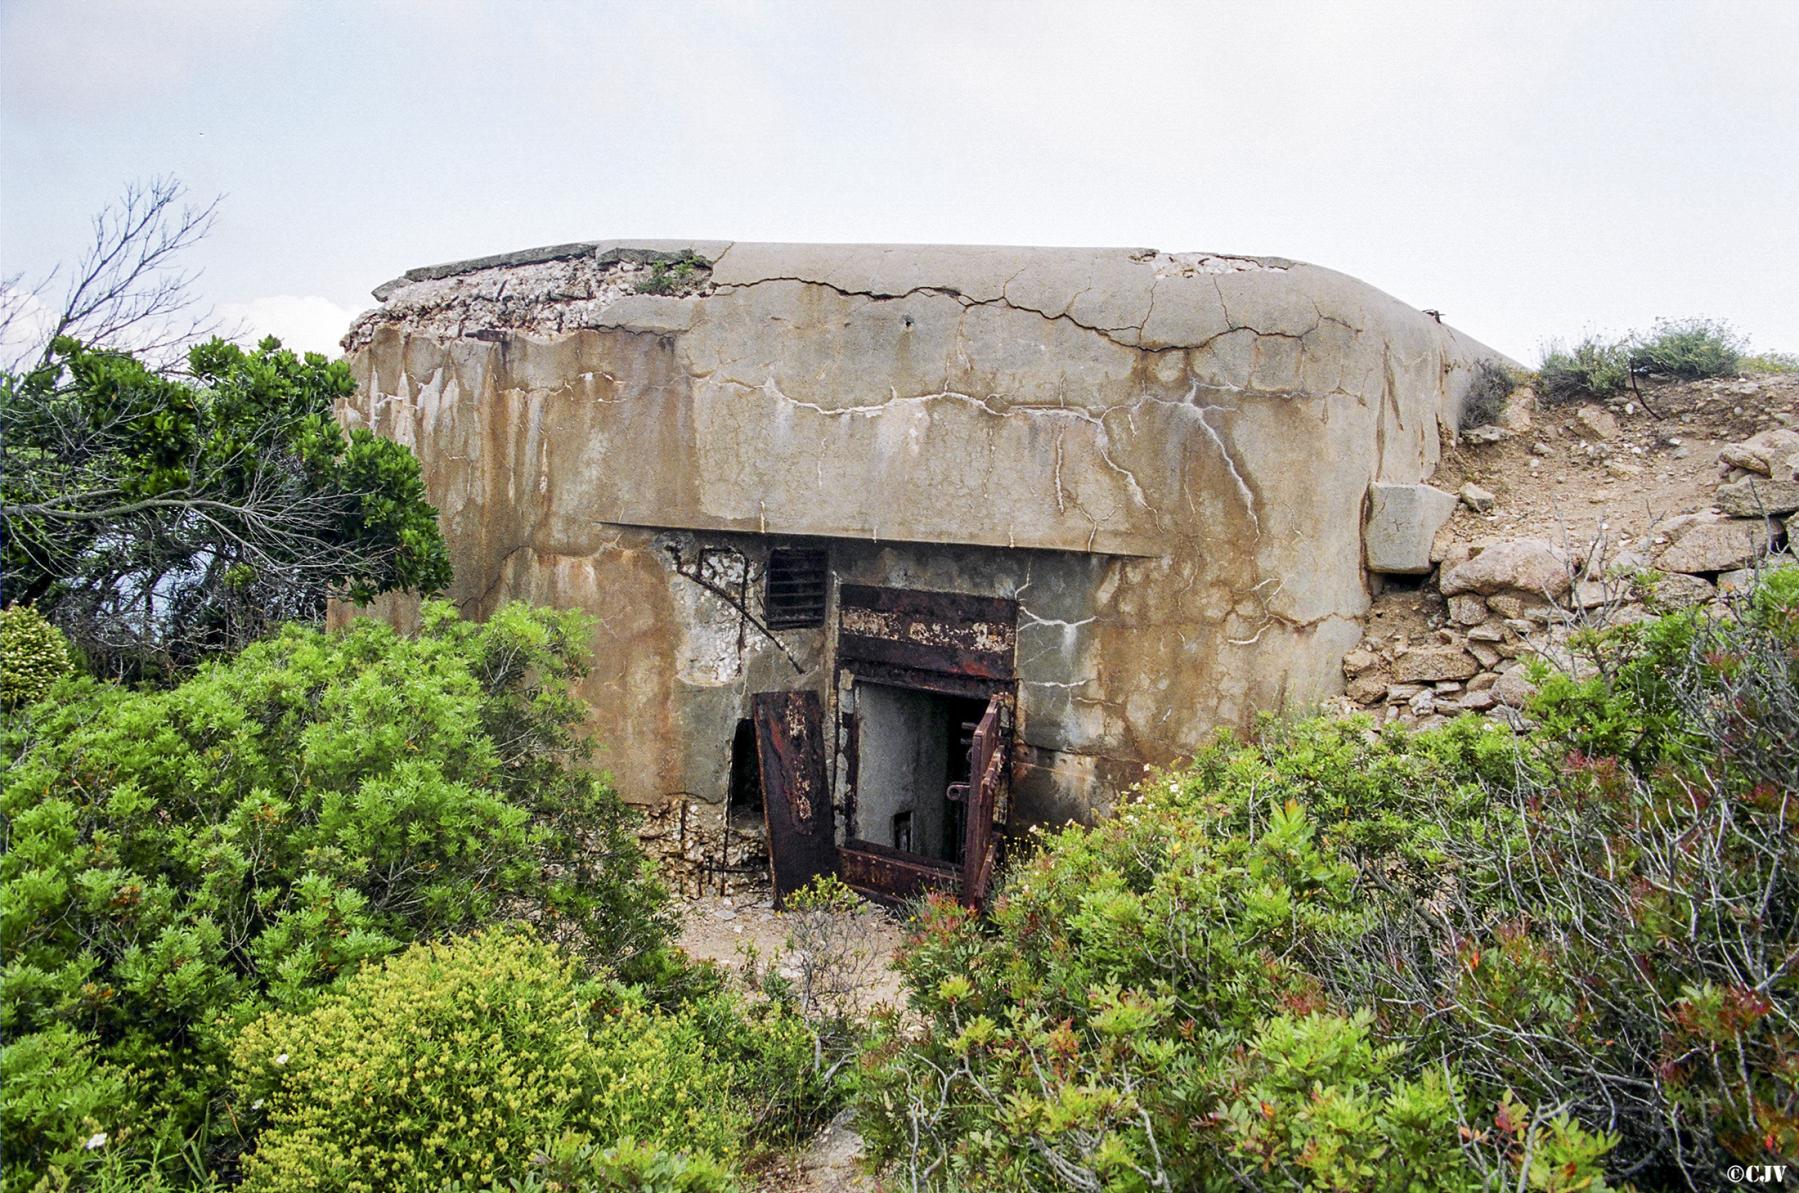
[(1402, 521)]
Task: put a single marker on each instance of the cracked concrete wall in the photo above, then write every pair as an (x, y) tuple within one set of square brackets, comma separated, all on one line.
[(1163, 456)]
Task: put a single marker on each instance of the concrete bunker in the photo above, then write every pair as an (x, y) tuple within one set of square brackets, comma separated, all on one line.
[(892, 550)]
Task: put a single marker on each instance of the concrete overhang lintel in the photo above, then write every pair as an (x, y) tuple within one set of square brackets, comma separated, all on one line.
[(1101, 544)]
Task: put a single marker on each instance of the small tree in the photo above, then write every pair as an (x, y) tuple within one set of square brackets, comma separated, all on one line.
[(159, 520)]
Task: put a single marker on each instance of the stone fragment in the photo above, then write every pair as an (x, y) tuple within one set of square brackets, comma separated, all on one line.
[(1520, 565), (1359, 660), (1483, 681), (1743, 579), (1483, 654), (1755, 497), (1402, 521), (1511, 718), (1590, 594), (1477, 701), (1676, 590), (1476, 498), (1487, 633), (1467, 609), (1765, 454), (1520, 404), (1486, 434), (1423, 704), (1452, 553), (1710, 542), (1427, 664), (1514, 688), (1367, 689), (1399, 693), (1595, 423), (1738, 581)]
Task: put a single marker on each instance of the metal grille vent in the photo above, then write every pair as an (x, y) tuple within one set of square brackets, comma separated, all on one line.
[(797, 581)]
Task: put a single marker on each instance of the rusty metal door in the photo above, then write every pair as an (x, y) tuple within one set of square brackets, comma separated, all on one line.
[(988, 799), (796, 800)]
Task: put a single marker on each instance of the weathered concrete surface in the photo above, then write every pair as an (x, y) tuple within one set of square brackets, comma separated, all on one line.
[(1162, 456)]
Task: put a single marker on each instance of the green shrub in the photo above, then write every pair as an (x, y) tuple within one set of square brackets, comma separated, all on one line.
[(1094, 1027), (1770, 362), (179, 861), (1311, 1103), (33, 655), (1593, 368), (61, 1105), (1660, 809), (1487, 392), (461, 1062), (572, 1165), (1688, 349), (1685, 348), (1372, 951)]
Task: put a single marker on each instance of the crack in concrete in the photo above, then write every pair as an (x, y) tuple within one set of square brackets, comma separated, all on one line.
[(1102, 441), (1110, 334), (1243, 490)]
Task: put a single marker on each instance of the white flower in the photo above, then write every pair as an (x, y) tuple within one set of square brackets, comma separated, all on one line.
[(256, 1105), (281, 1060), (96, 1140)]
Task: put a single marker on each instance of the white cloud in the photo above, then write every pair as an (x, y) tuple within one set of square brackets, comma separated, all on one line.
[(303, 322)]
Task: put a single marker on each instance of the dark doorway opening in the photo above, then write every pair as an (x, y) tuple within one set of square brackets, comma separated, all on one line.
[(744, 808)]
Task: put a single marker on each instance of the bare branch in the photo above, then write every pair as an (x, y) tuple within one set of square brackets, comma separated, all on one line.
[(127, 291)]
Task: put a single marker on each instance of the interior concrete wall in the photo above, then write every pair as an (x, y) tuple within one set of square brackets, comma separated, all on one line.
[(903, 764)]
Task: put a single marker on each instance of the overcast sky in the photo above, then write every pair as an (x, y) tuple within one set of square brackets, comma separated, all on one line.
[(1533, 170)]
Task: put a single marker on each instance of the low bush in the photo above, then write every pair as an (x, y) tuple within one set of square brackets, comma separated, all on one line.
[(180, 861), (1145, 989), (1770, 362), (1649, 898), (33, 655), (1487, 392), (1344, 958), (825, 975), (1687, 348), (487, 1061), (1592, 368)]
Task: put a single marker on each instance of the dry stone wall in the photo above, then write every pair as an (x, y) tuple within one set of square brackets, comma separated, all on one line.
[(1491, 604)]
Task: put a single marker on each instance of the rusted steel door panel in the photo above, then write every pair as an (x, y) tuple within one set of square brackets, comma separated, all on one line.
[(949, 632), (796, 800), (988, 799), (891, 875)]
